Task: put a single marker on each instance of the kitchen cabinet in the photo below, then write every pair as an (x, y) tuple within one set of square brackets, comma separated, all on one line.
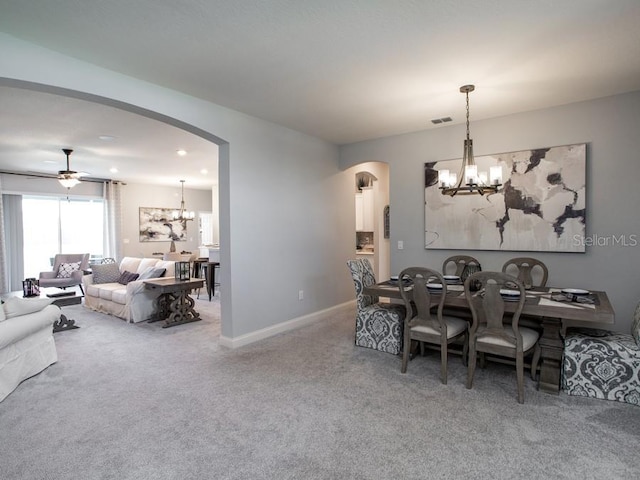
[(364, 210)]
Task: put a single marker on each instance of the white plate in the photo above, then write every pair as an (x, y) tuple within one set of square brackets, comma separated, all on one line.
[(575, 291), (451, 278), (394, 278), (509, 293), (434, 286)]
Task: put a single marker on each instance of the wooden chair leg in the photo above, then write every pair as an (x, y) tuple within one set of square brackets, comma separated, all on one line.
[(534, 362), (520, 376), (472, 365), (443, 362), (465, 350), (483, 360), (406, 351)]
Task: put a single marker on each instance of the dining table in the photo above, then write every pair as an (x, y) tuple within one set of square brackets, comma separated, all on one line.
[(552, 308)]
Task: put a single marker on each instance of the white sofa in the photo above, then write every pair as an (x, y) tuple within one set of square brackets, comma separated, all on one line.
[(26, 340), (131, 302)]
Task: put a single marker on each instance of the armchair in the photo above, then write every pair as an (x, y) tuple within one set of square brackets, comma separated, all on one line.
[(67, 271)]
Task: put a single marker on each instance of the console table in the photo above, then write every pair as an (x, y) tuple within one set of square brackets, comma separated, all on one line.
[(175, 305)]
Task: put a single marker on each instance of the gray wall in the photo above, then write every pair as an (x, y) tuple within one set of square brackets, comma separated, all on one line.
[(135, 196), (283, 225), (609, 126)]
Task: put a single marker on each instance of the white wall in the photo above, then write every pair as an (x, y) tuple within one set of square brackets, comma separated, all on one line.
[(610, 128), (283, 227), (381, 258)]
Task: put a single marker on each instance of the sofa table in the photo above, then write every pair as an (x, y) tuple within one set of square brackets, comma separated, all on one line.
[(175, 305), (61, 298)]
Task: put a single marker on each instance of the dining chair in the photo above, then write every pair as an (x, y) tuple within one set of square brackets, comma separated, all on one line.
[(460, 262), (526, 268), (378, 325), (421, 323), (603, 364), (489, 333)]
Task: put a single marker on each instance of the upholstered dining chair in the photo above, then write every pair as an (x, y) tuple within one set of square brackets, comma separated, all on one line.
[(424, 325), (603, 364), (489, 333), (378, 325), (526, 268), (68, 269), (459, 262)]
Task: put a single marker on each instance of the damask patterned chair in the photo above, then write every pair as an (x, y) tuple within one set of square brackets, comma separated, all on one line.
[(378, 325), (603, 364)]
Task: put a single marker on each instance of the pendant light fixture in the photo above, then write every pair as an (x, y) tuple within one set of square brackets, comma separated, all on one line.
[(182, 214), (469, 181), (68, 178)]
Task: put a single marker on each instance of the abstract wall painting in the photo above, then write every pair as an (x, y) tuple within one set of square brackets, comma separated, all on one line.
[(158, 225), (541, 207)]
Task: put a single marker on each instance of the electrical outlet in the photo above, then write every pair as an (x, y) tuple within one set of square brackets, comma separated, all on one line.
[(300, 294), (400, 245)]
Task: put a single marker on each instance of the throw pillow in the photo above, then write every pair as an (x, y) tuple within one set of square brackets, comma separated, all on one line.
[(16, 306), (66, 269), (127, 277), (107, 273), (152, 272)]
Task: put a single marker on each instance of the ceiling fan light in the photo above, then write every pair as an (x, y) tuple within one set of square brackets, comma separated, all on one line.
[(68, 178), (68, 182)]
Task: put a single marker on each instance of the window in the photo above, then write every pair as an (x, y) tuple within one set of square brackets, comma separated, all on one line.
[(57, 225)]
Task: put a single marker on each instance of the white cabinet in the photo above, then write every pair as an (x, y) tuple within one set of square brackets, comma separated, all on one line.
[(364, 210)]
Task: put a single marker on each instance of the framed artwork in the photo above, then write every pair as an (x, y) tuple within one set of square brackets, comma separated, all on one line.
[(540, 208), (158, 225)]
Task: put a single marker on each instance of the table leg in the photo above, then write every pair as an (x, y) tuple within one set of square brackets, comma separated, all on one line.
[(551, 349), (181, 310), (63, 324)]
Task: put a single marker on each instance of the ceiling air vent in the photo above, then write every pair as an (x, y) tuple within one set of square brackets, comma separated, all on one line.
[(441, 120)]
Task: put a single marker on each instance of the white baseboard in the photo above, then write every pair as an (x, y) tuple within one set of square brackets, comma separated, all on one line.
[(287, 326)]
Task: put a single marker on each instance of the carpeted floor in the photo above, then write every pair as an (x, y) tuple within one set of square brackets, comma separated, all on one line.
[(141, 402)]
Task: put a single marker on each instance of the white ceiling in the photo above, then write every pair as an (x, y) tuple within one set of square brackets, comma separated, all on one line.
[(340, 70)]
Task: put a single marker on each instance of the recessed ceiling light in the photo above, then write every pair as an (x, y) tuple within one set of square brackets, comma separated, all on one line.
[(113, 170), (204, 171), (107, 138), (181, 152), (50, 161)]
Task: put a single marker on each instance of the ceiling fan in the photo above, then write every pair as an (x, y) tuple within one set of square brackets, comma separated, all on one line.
[(69, 178)]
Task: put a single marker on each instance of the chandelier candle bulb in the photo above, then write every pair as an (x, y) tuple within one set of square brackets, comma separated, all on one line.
[(453, 179), (470, 173), (443, 178), (496, 175)]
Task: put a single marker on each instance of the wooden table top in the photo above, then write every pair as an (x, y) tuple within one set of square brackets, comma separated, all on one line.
[(171, 284), (538, 302)]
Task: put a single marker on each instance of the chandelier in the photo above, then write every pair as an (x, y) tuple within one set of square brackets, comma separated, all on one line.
[(68, 178), (182, 214), (470, 181)]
